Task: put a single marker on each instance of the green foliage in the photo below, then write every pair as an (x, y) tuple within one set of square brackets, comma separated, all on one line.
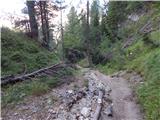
[(144, 60), (38, 88), (142, 56), (116, 14), (83, 63), (155, 37), (20, 53), (15, 93), (72, 41), (149, 66), (85, 83), (105, 45), (72, 30), (137, 50), (106, 69), (94, 14), (134, 6)]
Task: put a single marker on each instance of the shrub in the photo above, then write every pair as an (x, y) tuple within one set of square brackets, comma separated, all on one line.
[(38, 88)]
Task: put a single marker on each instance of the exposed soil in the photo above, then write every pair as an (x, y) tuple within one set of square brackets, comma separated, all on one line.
[(124, 103), (52, 105)]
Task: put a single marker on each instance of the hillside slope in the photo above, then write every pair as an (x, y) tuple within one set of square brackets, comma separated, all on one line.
[(21, 54), (139, 51)]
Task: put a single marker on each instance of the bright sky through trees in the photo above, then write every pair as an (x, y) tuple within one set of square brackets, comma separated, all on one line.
[(14, 7)]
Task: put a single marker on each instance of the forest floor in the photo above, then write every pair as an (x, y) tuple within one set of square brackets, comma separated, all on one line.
[(118, 95)]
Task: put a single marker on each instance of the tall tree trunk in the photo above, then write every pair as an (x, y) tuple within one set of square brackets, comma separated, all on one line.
[(45, 23), (62, 39), (88, 38), (32, 18), (42, 21)]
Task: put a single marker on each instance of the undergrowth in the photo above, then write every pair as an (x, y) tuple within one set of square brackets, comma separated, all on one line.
[(12, 94), (142, 56), (21, 54)]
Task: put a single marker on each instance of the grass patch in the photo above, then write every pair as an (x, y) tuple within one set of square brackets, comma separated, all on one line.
[(147, 63), (142, 56), (85, 83), (148, 92), (20, 53), (17, 92), (145, 60), (36, 87), (106, 69), (83, 62), (155, 37)]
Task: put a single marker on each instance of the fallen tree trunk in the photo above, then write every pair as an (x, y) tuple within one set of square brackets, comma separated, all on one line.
[(99, 105), (12, 78)]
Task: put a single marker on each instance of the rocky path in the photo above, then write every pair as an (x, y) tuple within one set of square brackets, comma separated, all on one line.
[(79, 100), (124, 105)]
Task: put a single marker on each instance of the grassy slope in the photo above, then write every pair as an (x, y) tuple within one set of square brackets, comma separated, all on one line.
[(145, 59), (18, 53)]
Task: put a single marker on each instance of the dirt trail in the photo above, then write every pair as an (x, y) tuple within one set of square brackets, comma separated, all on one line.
[(50, 106), (124, 105)]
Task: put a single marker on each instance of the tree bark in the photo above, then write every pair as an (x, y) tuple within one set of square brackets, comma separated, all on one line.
[(32, 18), (88, 38), (45, 23), (12, 78), (99, 106)]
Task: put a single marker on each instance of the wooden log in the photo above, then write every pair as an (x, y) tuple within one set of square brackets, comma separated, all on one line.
[(11, 79), (71, 99), (99, 105)]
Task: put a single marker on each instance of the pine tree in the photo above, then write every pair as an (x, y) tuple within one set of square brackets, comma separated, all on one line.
[(72, 30), (94, 23)]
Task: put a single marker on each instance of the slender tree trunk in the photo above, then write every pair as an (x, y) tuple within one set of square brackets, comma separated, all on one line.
[(47, 26), (63, 54), (42, 22), (88, 38), (45, 23), (32, 18)]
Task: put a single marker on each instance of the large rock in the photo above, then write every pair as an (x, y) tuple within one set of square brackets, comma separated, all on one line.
[(85, 111)]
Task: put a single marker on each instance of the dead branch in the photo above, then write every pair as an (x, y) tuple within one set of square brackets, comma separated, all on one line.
[(15, 78)]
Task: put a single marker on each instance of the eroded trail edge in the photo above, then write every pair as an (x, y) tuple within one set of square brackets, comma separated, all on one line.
[(106, 98), (124, 104), (102, 97)]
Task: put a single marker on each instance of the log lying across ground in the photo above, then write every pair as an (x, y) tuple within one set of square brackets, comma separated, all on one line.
[(15, 78), (99, 105)]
